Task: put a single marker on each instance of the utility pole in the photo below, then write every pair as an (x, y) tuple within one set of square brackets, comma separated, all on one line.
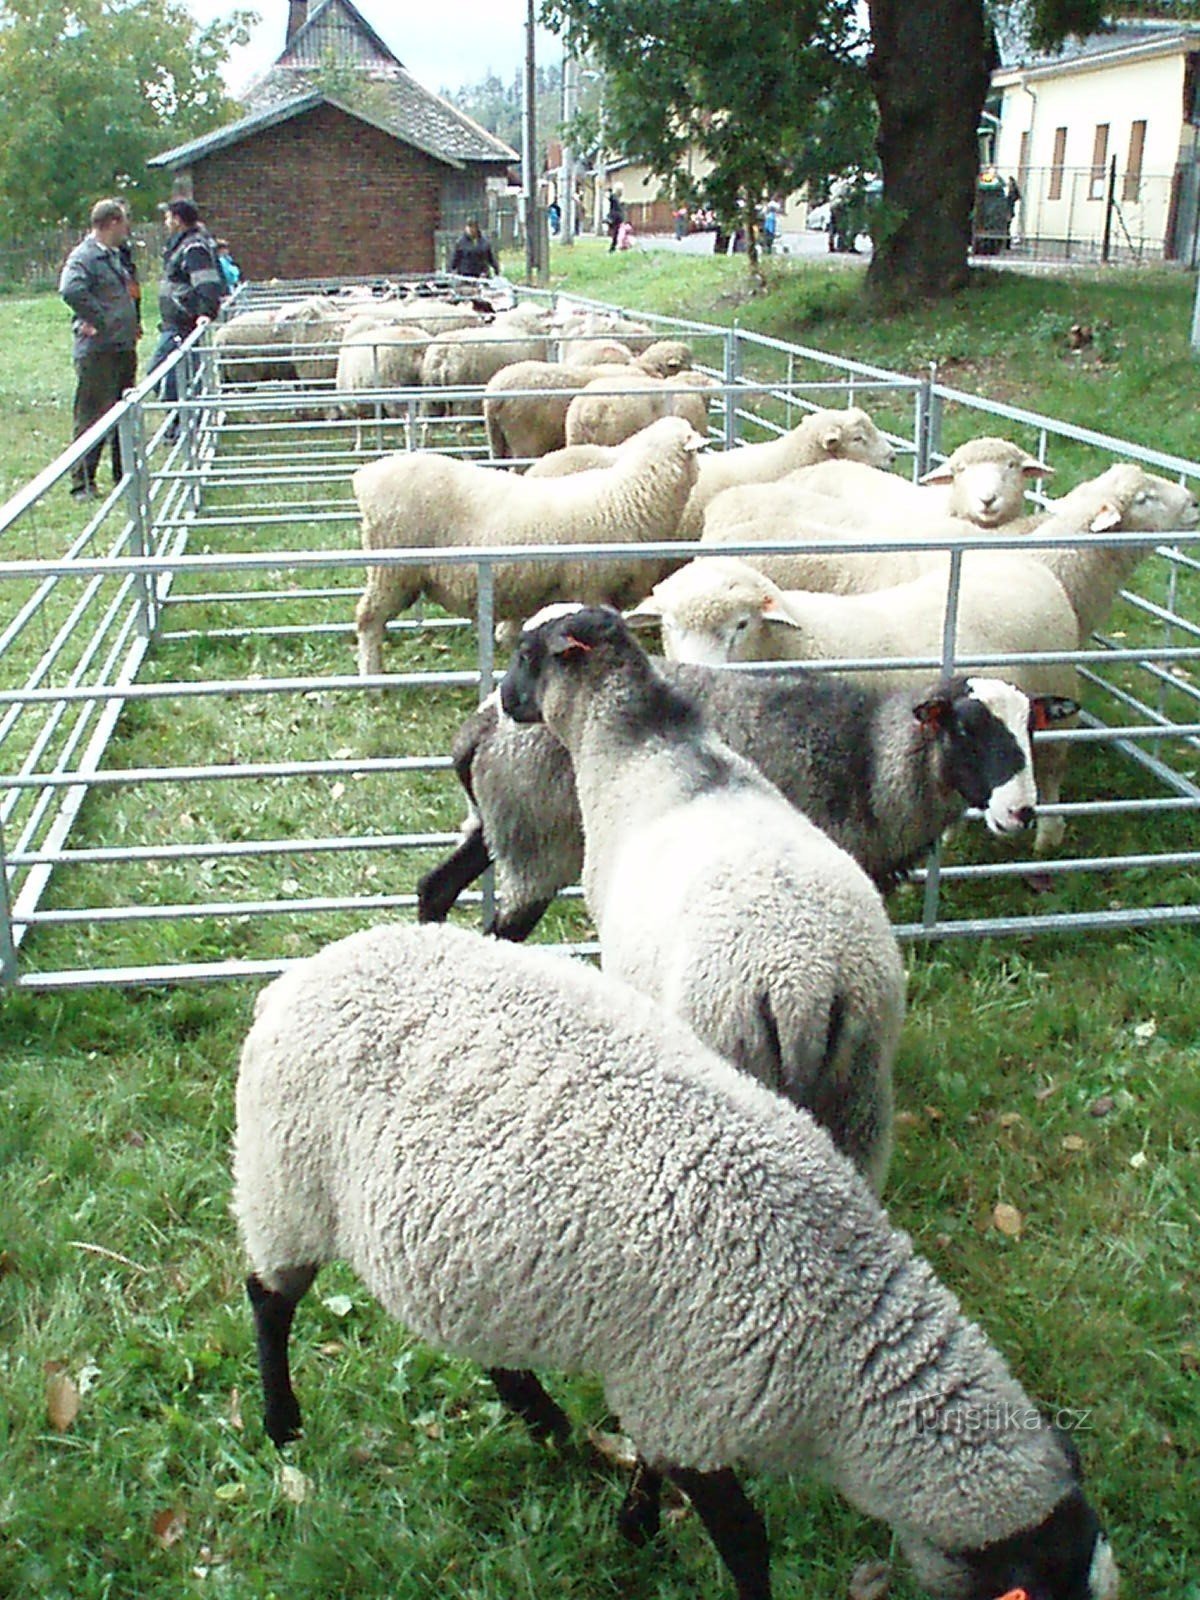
[(566, 199), (529, 153)]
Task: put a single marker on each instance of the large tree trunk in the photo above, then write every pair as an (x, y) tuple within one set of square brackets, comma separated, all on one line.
[(930, 67)]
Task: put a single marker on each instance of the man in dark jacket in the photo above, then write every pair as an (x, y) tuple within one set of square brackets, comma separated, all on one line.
[(191, 288), (473, 254), (98, 288)]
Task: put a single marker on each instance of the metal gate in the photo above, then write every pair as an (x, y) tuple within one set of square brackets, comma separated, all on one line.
[(197, 784)]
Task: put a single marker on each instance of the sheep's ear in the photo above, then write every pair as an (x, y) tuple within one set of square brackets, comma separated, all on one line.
[(1045, 709), (1031, 467), (695, 441), (568, 648), (832, 440), (644, 616), (933, 714), (1107, 518), (942, 474), (772, 611)]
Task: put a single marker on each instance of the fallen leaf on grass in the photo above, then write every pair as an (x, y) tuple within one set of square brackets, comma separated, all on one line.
[(1102, 1106), (1145, 1031), (870, 1580), (1008, 1220), (169, 1527), (293, 1485), (1074, 1142), (1137, 1159), (227, 1492), (1009, 1119), (1044, 1094), (235, 1410), (62, 1398)]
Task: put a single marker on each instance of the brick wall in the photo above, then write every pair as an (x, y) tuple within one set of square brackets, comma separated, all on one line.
[(322, 195)]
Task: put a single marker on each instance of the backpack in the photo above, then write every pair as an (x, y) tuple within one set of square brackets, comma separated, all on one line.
[(230, 274)]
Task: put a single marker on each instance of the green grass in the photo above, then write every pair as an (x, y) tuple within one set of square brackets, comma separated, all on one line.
[(119, 1262)]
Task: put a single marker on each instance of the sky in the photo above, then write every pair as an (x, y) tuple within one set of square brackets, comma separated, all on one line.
[(443, 46)]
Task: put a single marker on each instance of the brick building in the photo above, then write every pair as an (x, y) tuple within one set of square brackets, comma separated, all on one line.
[(343, 165)]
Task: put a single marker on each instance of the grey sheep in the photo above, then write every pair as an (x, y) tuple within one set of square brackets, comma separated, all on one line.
[(710, 893), (882, 773), (530, 1165)]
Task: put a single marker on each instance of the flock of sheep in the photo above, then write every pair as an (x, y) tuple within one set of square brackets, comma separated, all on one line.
[(667, 1172)]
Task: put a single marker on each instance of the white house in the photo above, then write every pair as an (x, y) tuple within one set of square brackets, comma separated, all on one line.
[(1127, 98)]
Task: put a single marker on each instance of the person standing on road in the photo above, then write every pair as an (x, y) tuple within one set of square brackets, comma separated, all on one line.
[(98, 287)]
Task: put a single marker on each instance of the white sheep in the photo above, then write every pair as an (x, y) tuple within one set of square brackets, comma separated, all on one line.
[(575, 458), (818, 436), (531, 425), (465, 358), (315, 326), (378, 356), (718, 609), (982, 481), (529, 1164), (882, 774), (253, 348), (610, 409), (710, 893), (581, 331), (424, 500)]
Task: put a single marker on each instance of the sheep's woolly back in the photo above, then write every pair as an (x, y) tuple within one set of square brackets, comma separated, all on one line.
[(423, 500), (821, 434), (482, 1131)]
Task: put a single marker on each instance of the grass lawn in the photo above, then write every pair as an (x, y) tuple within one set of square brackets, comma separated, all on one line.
[(1057, 1077)]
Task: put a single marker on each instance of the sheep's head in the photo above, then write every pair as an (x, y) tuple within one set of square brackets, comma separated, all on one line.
[(987, 479), (563, 655), (849, 435), (1156, 505), (982, 727), (713, 611), (1065, 1557), (665, 357)]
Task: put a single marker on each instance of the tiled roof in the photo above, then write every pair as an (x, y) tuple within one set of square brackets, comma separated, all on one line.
[(1116, 38), (333, 41)]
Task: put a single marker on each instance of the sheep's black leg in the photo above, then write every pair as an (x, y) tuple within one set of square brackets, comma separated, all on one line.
[(521, 1392), (273, 1313), (638, 1518), (517, 928), (733, 1525), (439, 889)]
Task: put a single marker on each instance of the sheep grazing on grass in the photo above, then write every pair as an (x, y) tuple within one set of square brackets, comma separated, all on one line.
[(819, 436), (532, 425), (983, 481), (717, 609), (529, 1164), (883, 774), (423, 500), (611, 409), (710, 892)]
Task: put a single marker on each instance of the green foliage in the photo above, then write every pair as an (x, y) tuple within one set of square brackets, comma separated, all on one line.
[(772, 94), (90, 89), (496, 105)]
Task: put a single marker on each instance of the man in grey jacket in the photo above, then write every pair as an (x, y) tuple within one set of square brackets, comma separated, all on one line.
[(97, 286)]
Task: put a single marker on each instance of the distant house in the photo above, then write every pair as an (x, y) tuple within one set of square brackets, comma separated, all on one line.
[(1131, 94), (343, 165)]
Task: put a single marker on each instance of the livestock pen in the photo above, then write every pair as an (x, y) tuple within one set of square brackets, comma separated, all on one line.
[(197, 784)]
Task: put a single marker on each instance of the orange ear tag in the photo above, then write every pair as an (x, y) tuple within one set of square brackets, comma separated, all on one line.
[(1016, 1594)]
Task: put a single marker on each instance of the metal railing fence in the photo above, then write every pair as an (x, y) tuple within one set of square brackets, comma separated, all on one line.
[(196, 784)]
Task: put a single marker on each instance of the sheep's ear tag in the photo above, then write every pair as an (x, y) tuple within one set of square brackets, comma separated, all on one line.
[(932, 715), (569, 648), (1016, 1594)]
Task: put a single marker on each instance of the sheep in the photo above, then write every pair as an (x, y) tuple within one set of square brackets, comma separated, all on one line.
[(575, 458), (253, 348), (465, 358), (610, 409), (717, 609), (425, 500), (532, 425), (315, 326), (530, 1165), (819, 435), (580, 331), (379, 356), (1126, 497), (710, 892), (882, 774), (983, 481)]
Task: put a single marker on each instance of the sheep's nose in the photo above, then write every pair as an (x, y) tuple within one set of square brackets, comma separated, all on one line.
[(1025, 817), (987, 501)]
